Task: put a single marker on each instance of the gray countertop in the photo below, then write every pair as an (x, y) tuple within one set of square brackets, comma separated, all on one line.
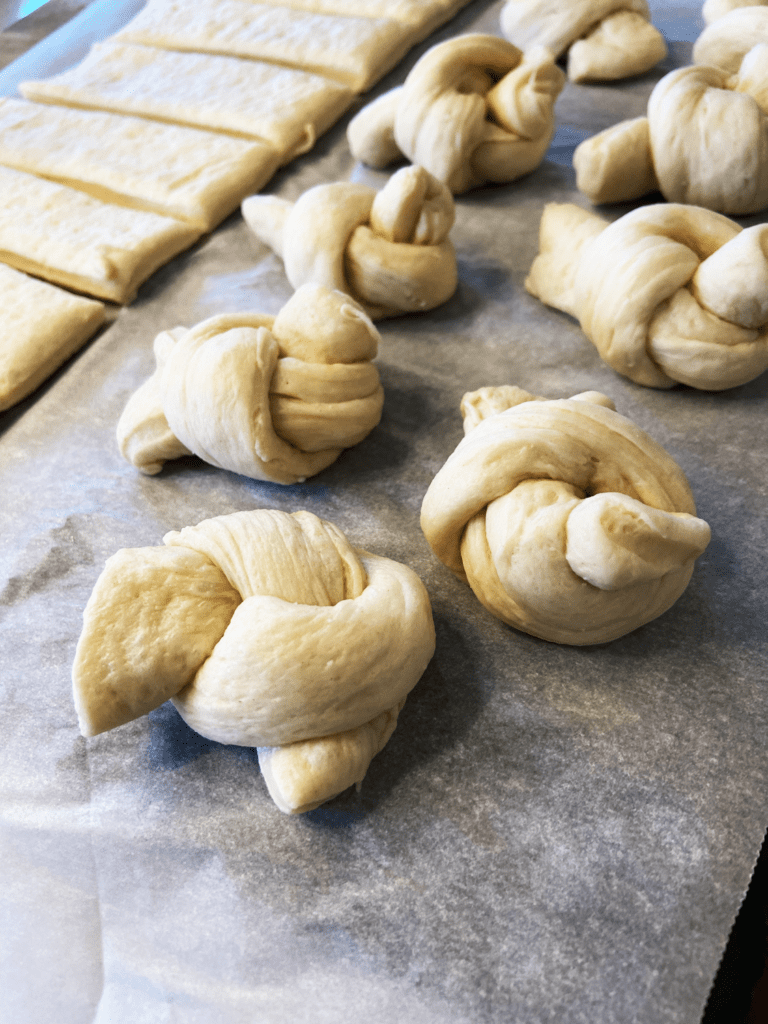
[(552, 834)]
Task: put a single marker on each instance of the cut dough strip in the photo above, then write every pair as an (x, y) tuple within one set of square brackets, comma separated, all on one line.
[(421, 16), (194, 176), (202, 91), (355, 51), (42, 327), (69, 238)]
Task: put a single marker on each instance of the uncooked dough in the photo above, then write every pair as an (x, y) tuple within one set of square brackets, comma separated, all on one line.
[(267, 630), (667, 294), (273, 398), (704, 142), (567, 520), (185, 173), (389, 250), (604, 39), (42, 327), (474, 109), (725, 42)]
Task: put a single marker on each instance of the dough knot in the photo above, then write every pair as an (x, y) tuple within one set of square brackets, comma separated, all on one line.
[(733, 28), (273, 398), (473, 109), (567, 520), (667, 293), (389, 250), (265, 629), (704, 142), (604, 39)]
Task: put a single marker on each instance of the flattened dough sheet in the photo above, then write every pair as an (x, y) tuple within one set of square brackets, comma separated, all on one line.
[(192, 175), (351, 50), (70, 238), (42, 327), (286, 107), (422, 16)]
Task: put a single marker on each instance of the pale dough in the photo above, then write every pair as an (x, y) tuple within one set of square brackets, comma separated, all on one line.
[(389, 250), (191, 175), (70, 238), (605, 39), (273, 398), (567, 520), (42, 327), (714, 9), (667, 293), (704, 142), (355, 51), (267, 630), (473, 110), (203, 91), (421, 16), (724, 43)]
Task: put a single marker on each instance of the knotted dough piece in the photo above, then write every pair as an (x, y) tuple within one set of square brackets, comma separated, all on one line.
[(473, 110), (567, 520), (666, 294), (389, 250), (730, 35), (605, 39), (714, 9), (704, 142), (265, 629), (273, 398)]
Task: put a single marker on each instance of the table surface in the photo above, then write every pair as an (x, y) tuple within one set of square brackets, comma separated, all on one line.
[(552, 834)]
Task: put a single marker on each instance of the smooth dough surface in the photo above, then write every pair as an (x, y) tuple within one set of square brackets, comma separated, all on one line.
[(607, 39), (725, 42), (668, 293), (389, 250), (567, 520), (265, 629), (42, 327), (473, 109), (273, 398)]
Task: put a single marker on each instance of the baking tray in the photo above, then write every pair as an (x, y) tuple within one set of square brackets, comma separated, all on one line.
[(552, 834)]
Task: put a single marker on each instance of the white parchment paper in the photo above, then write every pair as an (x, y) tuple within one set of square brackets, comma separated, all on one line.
[(552, 834)]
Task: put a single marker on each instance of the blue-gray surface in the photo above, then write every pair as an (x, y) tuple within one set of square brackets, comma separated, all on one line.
[(552, 834)]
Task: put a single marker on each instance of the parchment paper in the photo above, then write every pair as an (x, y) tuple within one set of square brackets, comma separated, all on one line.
[(553, 834)]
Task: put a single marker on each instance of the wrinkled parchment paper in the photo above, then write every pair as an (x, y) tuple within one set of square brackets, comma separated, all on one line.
[(552, 834)]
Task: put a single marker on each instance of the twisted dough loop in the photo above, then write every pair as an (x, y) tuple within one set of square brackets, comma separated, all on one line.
[(474, 109), (693, 114), (266, 630), (667, 293), (732, 30), (273, 398), (714, 9), (605, 39), (567, 521), (389, 250)]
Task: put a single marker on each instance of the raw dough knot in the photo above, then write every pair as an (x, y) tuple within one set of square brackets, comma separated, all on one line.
[(714, 9), (273, 398), (667, 293), (605, 39), (389, 250), (473, 109), (704, 141), (733, 28), (567, 520), (266, 629)]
